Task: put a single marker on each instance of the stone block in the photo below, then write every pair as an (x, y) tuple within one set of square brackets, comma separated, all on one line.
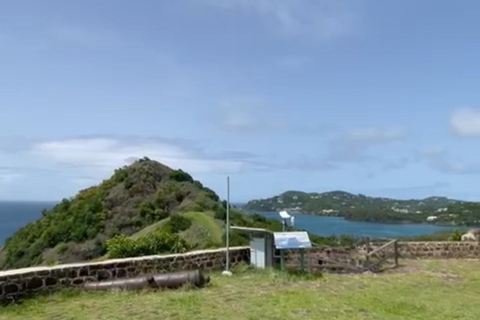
[(103, 274), (84, 272), (121, 273), (10, 288), (35, 283), (72, 273), (50, 282), (78, 281), (65, 282)]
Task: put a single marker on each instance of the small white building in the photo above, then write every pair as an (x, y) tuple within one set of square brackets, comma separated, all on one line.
[(261, 246), (431, 218)]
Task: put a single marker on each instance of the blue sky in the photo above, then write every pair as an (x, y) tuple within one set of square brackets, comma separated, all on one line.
[(373, 97)]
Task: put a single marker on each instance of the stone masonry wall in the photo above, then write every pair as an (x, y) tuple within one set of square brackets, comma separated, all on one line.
[(353, 260), (439, 250), (19, 283), (324, 259)]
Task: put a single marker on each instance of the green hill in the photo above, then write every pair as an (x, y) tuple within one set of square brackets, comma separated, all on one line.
[(135, 197), (365, 208)]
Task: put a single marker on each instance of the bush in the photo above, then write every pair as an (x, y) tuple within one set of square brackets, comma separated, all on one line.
[(161, 242), (178, 223), (121, 246), (62, 247), (180, 176), (456, 236)]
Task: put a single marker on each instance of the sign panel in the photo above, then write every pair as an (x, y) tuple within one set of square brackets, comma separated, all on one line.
[(292, 240)]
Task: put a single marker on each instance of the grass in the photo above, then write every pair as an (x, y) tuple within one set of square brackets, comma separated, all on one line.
[(422, 290), (149, 229), (205, 230)]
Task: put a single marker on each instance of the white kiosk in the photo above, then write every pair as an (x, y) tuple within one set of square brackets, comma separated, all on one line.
[(261, 246)]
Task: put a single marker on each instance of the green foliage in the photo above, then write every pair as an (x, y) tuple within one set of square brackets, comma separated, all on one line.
[(178, 223), (456, 236), (180, 176), (68, 221), (62, 248), (122, 246), (133, 198)]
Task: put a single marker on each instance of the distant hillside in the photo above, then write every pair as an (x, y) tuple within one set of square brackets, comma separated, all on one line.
[(364, 208)]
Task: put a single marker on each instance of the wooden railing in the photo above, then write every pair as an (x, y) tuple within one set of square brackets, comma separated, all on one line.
[(375, 259)]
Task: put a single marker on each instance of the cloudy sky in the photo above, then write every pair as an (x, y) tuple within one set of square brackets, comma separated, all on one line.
[(373, 97)]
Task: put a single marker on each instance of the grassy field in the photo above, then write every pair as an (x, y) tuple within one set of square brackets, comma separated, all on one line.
[(420, 290)]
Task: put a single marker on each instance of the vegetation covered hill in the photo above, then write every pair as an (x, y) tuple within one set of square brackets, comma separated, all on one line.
[(133, 198), (176, 212), (364, 208)]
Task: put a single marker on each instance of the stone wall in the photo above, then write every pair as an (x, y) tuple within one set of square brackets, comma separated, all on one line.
[(353, 260), (324, 259), (15, 284), (439, 250)]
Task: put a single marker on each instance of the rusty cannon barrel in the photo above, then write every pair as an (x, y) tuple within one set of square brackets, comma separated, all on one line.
[(121, 284), (178, 279), (163, 280)]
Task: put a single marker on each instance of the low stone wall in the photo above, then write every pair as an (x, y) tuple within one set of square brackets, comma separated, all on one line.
[(353, 260), (324, 259), (439, 250), (19, 283)]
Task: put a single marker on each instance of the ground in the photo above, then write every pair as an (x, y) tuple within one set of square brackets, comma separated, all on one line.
[(417, 290)]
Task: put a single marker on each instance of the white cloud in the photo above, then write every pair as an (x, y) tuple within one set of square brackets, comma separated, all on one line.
[(318, 18), (466, 122), (102, 155)]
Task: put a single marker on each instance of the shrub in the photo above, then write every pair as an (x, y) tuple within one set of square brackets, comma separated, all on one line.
[(161, 242), (180, 176), (160, 214), (62, 247), (220, 213), (178, 223), (456, 236), (147, 209), (121, 246)]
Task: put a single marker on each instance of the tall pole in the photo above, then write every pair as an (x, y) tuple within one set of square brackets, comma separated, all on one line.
[(227, 231), (228, 223)]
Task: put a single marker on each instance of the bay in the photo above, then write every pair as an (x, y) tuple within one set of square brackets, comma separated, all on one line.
[(14, 215), (327, 226)]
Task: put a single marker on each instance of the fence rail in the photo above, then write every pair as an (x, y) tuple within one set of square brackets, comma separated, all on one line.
[(382, 254)]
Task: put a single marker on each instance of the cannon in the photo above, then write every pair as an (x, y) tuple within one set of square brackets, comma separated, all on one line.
[(162, 280)]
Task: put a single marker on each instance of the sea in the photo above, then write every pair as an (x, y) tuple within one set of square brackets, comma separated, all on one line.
[(14, 215), (327, 226)]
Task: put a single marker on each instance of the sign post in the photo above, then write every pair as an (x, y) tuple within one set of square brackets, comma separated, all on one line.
[(227, 271), (292, 240)]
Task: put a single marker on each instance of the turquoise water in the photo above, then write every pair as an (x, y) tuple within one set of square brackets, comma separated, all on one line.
[(326, 226)]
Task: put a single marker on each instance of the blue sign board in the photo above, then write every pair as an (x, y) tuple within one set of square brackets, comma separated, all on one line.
[(292, 240)]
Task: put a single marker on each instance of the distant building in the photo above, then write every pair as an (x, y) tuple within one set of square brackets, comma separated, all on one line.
[(432, 218)]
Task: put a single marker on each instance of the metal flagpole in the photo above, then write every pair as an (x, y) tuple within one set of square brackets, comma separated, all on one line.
[(227, 232)]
